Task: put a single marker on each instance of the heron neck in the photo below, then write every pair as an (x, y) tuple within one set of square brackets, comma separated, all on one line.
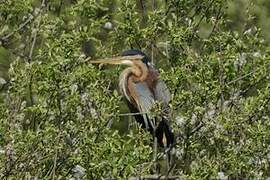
[(138, 72), (131, 75)]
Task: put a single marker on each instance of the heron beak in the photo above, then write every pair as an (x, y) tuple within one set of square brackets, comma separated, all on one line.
[(118, 60)]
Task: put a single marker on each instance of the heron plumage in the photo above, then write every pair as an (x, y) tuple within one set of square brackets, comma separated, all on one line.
[(142, 87)]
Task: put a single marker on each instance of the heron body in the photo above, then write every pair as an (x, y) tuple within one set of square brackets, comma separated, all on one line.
[(142, 87)]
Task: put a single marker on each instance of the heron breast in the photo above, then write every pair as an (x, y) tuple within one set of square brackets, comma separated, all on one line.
[(152, 78)]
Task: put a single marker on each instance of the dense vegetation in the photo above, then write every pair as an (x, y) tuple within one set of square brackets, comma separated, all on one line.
[(61, 117)]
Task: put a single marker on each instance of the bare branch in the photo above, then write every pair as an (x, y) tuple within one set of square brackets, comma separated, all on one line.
[(34, 33), (201, 19), (170, 170), (216, 21), (154, 177), (242, 77), (30, 19), (131, 114), (54, 165), (221, 83), (255, 115)]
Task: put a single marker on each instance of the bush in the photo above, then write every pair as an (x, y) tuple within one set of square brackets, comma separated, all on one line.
[(57, 109)]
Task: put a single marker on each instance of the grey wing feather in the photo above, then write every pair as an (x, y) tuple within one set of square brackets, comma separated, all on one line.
[(145, 100), (145, 96), (162, 92)]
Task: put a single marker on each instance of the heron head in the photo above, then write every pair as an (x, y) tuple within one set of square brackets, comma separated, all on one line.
[(133, 52)]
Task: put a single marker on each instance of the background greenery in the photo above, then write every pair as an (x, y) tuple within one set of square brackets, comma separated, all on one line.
[(61, 117)]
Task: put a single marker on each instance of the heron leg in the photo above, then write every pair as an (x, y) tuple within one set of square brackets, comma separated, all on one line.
[(168, 163), (155, 150)]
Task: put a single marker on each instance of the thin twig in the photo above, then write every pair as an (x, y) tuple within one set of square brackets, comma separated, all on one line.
[(152, 52), (152, 41), (34, 33), (216, 22), (131, 114), (218, 17), (201, 19), (34, 40), (221, 83), (169, 171), (30, 56), (196, 129), (155, 150), (155, 177), (256, 113), (142, 5), (60, 8), (30, 19), (54, 165), (242, 77)]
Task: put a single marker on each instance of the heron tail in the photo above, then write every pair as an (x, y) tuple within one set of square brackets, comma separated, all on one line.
[(164, 134)]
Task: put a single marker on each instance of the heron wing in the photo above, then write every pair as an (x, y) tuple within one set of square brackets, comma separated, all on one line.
[(145, 101), (145, 96), (162, 92), (164, 133)]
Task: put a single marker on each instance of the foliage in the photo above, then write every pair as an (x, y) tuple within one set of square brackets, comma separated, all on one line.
[(56, 109)]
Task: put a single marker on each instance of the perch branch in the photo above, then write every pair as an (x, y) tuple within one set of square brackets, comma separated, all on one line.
[(154, 177)]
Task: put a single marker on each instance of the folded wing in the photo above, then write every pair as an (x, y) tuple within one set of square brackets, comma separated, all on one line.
[(145, 100)]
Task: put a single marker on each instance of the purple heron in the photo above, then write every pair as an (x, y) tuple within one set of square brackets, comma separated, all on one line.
[(142, 87)]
